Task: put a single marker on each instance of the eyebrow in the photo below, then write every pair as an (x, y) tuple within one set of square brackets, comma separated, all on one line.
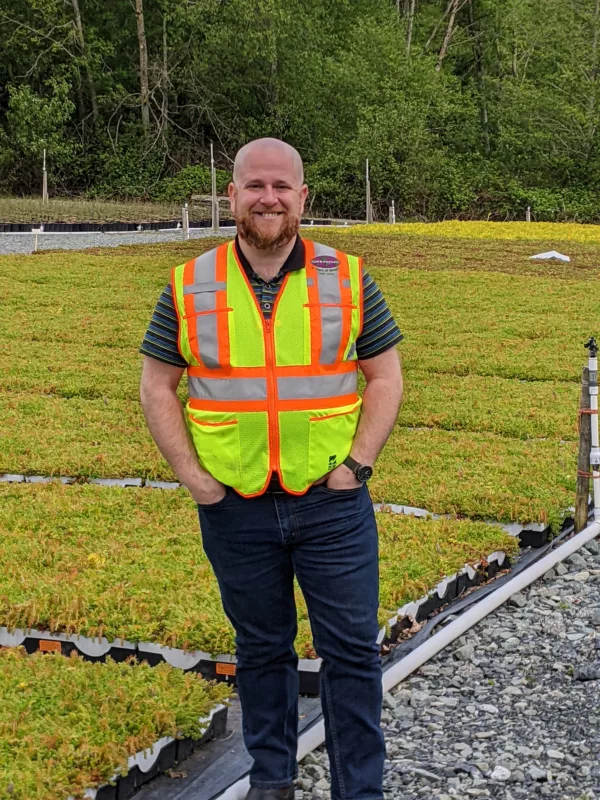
[(281, 181)]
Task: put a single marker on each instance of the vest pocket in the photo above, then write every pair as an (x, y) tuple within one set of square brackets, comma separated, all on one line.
[(216, 438), (331, 435)]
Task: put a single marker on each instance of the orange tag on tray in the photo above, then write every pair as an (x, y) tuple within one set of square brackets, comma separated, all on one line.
[(223, 668), (49, 647)]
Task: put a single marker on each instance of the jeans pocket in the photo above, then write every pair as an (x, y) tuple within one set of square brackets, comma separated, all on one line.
[(219, 504), (340, 492)]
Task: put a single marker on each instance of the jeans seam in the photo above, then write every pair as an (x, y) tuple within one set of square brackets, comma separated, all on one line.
[(334, 736)]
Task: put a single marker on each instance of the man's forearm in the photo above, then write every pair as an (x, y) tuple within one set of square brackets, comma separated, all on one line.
[(381, 402), (166, 423)]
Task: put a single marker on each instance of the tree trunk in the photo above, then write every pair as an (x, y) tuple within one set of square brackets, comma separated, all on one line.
[(165, 80), (82, 47), (480, 72), (144, 91), (410, 24), (453, 9)]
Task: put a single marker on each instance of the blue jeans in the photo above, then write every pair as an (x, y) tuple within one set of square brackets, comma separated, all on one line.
[(328, 539)]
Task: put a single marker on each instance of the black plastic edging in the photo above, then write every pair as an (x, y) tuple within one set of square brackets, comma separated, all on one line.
[(124, 227)]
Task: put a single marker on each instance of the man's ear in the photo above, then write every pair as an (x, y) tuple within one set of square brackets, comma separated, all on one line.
[(303, 196), (232, 193)]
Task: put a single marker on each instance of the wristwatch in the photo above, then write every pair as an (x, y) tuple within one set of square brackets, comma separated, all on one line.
[(362, 472)]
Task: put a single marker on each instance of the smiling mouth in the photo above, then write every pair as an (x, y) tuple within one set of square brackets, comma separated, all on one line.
[(268, 214)]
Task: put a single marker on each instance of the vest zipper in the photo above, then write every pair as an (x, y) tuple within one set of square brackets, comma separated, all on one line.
[(271, 394)]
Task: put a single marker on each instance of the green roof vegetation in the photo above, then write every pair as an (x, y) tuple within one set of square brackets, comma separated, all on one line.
[(128, 563), (67, 724)]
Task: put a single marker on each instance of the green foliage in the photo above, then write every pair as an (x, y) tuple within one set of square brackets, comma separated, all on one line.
[(503, 118), (188, 181)]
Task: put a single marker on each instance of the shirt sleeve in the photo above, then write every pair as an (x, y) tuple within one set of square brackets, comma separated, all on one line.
[(380, 331), (161, 338)]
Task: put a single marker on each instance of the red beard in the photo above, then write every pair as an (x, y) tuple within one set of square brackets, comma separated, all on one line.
[(249, 232)]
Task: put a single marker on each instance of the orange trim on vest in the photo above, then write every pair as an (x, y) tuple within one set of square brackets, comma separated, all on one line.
[(346, 299), (221, 304)]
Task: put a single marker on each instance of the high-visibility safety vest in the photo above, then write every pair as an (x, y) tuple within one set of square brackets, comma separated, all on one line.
[(278, 395)]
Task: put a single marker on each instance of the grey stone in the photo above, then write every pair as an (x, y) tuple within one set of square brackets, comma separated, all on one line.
[(555, 754), (518, 599), (430, 776), (538, 774), (500, 773), (315, 771), (465, 653), (588, 672), (518, 776), (389, 701), (596, 617), (305, 784), (576, 560), (560, 569), (548, 576), (322, 784), (593, 547)]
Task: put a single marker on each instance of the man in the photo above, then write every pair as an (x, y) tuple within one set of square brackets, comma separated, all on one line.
[(275, 447)]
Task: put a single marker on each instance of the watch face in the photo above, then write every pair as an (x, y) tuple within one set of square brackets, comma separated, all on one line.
[(363, 474)]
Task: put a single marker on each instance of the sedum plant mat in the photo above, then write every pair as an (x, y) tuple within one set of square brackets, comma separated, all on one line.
[(459, 229), (67, 724), (128, 563), (32, 209), (492, 358)]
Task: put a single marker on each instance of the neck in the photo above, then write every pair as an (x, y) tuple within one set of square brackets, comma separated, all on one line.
[(266, 263)]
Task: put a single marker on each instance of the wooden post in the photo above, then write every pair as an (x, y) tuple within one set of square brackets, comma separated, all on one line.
[(528, 214), (213, 189), (185, 221), (44, 181), (369, 214), (582, 496)]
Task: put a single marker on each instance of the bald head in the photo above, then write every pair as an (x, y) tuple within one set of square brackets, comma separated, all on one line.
[(268, 152)]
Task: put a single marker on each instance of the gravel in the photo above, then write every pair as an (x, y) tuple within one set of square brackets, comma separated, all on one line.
[(509, 710), (23, 242)]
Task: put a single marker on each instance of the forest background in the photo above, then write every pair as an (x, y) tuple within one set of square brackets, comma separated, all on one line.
[(464, 108)]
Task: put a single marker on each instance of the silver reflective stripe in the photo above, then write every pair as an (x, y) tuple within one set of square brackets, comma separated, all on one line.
[(208, 286), (317, 387), (205, 273), (346, 283), (331, 317), (227, 388)]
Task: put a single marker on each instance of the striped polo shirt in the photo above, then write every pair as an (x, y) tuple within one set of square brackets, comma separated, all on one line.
[(379, 333)]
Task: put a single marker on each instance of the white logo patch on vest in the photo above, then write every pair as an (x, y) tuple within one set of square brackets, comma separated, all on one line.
[(325, 263)]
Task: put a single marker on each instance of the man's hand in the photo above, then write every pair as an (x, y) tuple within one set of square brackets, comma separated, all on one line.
[(207, 490), (342, 477)]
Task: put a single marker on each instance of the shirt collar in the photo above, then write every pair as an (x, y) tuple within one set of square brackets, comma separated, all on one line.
[(295, 260)]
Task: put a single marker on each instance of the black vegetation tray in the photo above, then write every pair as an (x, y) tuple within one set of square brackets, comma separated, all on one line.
[(170, 755)]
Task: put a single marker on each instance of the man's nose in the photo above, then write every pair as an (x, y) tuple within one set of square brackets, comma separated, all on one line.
[(269, 196)]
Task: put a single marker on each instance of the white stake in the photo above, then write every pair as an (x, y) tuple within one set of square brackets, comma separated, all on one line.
[(528, 214), (44, 181), (595, 454)]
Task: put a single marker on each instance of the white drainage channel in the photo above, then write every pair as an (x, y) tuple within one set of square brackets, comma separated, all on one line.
[(315, 736)]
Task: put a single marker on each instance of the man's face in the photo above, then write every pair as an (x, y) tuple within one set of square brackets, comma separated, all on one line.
[(268, 199)]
